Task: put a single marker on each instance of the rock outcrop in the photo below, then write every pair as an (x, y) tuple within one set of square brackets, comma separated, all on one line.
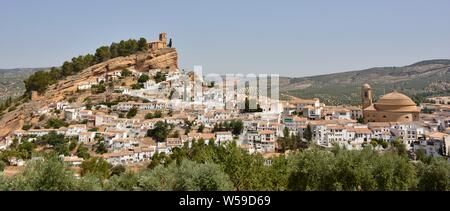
[(164, 58)]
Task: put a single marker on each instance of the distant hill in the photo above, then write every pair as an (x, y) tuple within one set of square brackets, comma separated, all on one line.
[(425, 78), (419, 80), (11, 81)]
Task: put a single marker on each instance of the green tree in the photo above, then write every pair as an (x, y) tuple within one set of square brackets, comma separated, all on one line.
[(128, 47), (374, 143), (176, 134), (237, 127), (83, 152), (44, 175), (384, 144), (27, 127), (142, 44), (170, 43), (137, 86), (39, 82), (126, 181), (188, 176), (125, 73), (435, 177), (149, 116), (360, 120), (277, 174), (56, 141), (82, 62), (247, 108), (393, 173), (118, 170), (72, 145), (98, 89), (67, 68), (286, 133), (160, 77), (420, 154), (158, 159), (201, 128), (114, 50), (100, 146), (155, 115), (102, 54), (247, 105), (2, 165), (160, 132), (96, 166), (62, 149), (55, 74), (313, 171), (399, 147), (56, 123), (353, 170), (132, 112), (307, 134), (143, 78), (90, 182)]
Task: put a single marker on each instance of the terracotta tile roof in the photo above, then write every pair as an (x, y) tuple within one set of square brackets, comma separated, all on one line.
[(335, 127), (73, 159), (437, 135), (266, 132), (361, 130), (224, 133)]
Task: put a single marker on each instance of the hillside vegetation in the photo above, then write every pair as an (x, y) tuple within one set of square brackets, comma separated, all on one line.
[(61, 83), (422, 79), (227, 168), (11, 81), (40, 80)]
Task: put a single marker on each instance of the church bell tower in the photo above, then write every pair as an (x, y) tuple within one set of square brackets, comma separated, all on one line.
[(366, 95)]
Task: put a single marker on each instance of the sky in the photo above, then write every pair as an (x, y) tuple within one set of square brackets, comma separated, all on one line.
[(286, 37)]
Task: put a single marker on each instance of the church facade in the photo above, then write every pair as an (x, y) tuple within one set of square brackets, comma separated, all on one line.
[(392, 107)]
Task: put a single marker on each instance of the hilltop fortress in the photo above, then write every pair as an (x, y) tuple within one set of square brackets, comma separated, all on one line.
[(159, 44), (158, 57)]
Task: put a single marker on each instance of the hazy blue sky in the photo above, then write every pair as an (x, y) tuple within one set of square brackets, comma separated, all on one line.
[(292, 38)]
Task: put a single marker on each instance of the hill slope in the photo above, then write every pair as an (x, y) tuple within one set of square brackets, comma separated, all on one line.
[(11, 81), (418, 80), (166, 58)]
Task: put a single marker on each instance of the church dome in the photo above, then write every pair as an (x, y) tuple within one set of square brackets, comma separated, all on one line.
[(396, 102), (366, 86)]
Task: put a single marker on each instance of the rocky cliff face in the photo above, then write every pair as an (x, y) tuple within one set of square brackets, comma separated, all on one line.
[(166, 58)]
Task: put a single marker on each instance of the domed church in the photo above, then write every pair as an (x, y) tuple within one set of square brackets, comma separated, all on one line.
[(392, 107)]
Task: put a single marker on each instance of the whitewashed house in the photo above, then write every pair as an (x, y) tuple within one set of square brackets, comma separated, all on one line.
[(223, 137), (75, 130)]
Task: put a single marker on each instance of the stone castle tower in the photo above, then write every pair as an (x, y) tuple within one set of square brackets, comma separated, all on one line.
[(367, 96), (160, 43), (163, 38)]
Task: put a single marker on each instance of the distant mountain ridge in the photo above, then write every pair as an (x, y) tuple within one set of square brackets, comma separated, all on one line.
[(419, 80), (21, 70), (425, 78), (11, 81)]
